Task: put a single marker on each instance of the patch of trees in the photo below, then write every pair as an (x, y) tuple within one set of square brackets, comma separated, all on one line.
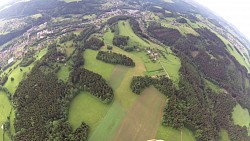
[(92, 82), (181, 20), (163, 84), (63, 131), (94, 43), (8, 65), (40, 101), (67, 38), (168, 36), (191, 98), (3, 79), (27, 61), (83, 79), (120, 40), (216, 64), (37, 100), (115, 58), (84, 35), (136, 28), (77, 58), (115, 19)]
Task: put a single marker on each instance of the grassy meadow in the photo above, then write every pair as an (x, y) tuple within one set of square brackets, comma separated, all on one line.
[(5, 109), (241, 117), (63, 73), (170, 134), (224, 135), (126, 30)]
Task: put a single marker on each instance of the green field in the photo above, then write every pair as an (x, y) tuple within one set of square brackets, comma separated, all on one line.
[(36, 16), (69, 51), (97, 66), (18, 75), (109, 124), (63, 73), (143, 117), (126, 30), (241, 116), (119, 77), (5, 108), (183, 28), (172, 65), (224, 135), (214, 87), (170, 134), (86, 107), (108, 37)]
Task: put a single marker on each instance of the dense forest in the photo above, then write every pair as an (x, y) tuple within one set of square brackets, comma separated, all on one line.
[(203, 57), (120, 40), (168, 36), (114, 58), (94, 43), (40, 100)]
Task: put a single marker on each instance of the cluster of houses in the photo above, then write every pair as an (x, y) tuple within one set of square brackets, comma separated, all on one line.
[(152, 54), (11, 25)]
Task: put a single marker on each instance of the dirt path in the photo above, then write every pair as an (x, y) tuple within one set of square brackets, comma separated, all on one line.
[(144, 117)]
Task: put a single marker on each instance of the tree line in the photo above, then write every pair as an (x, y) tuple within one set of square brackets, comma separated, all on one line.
[(168, 36), (115, 58)]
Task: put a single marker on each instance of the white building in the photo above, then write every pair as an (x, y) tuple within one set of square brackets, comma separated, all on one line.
[(11, 60)]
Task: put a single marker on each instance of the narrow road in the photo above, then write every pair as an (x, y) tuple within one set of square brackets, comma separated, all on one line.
[(164, 69)]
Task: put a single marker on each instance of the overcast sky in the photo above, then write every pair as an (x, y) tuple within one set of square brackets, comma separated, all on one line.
[(236, 12)]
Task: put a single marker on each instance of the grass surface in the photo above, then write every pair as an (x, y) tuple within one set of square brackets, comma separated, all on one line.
[(119, 77), (97, 66), (63, 73), (214, 87), (183, 28), (224, 135), (126, 30), (143, 118), (241, 116), (170, 134), (5, 108), (108, 37), (36, 16), (86, 107), (109, 124)]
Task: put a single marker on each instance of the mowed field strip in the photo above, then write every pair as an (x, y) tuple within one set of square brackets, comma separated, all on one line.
[(144, 117)]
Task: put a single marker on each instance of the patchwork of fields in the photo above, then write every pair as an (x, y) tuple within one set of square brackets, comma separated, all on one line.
[(129, 116)]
